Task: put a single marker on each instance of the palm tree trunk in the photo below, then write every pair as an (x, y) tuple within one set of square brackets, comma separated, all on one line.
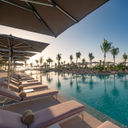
[(76, 61), (104, 60), (114, 60)]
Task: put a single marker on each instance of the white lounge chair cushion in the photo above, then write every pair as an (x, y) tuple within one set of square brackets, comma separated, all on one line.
[(48, 92), (56, 113)]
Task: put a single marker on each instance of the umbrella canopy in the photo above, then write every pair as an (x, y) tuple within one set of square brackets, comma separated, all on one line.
[(16, 64), (15, 57), (12, 43), (7, 41), (4, 52), (19, 64), (50, 17)]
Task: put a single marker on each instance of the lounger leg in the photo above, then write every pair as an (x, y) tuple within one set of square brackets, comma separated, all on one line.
[(82, 115), (56, 96)]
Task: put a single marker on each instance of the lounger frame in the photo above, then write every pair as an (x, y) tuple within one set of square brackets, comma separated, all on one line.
[(25, 101)]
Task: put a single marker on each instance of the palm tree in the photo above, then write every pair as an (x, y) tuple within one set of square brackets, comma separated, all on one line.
[(25, 63), (71, 58), (64, 62), (100, 62), (31, 65), (125, 57), (49, 61), (45, 65), (114, 52), (41, 60), (91, 57), (105, 47), (58, 58), (78, 55), (55, 65), (37, 61), (83, 61)]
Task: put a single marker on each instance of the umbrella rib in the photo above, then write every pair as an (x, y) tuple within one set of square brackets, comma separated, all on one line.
[(2, 53), (66, 13), (3, 43), (3, 46), (18, 44), (39, 17), (36, 2), (21, 47), (16, 5), (17, 57), (53, 4)]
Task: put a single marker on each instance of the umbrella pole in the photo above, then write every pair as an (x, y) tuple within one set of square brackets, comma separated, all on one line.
[(10, 61), (40, 77), (14, 65), (9, 66)]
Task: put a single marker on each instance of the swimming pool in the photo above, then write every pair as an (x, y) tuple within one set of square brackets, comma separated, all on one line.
[(106, 93)]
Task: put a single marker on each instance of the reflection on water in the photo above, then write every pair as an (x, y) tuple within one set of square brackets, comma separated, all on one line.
[(58, 81), (49, 78), (71, 81), (106, 93), (115, 91)]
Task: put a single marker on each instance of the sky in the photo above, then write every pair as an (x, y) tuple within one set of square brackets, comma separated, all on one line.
[(110, 21)]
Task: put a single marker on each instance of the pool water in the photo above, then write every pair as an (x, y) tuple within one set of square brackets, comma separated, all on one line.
[(106, 93)]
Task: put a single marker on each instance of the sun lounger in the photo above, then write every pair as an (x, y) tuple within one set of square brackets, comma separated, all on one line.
[(56, 114), (46, 117), (13, 87), (36, 87), (17, 80), (29, 96), (25, 83), (30, 83), (22, 77), (108, 124), (26, 80), (32, 80)]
